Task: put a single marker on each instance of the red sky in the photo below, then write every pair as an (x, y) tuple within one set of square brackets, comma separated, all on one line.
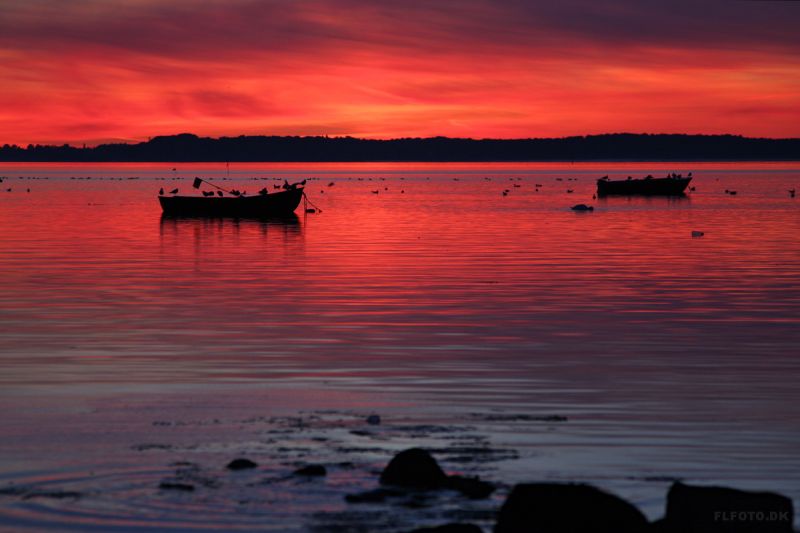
[(97, 70)]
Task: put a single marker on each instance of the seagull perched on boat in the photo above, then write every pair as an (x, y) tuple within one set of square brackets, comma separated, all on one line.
[(161, 191), (219, 193), (174, 191)]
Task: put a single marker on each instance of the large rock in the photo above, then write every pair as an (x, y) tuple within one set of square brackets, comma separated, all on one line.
[(692, 509), (414, 468), (567, 508)]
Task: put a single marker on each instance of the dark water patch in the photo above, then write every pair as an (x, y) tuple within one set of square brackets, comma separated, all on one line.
[(378, 495), (358, 449), (656, 479), (53, 494), (294, 449), (196, 475), (13, 491), (498, 417), (181, 423), (152, 446), (176, 485), (421, 431), (475, 454)]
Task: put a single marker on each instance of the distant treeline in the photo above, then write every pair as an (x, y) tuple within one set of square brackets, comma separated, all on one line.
[(609, 147)]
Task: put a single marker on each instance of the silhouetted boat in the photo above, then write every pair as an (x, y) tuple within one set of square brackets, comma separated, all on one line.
[(672, 185), (262, 205)]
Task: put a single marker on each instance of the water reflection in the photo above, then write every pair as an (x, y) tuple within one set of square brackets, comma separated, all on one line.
[(290, 222), (177, 231), (682, 200)]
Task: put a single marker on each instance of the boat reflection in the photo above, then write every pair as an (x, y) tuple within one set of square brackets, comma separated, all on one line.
[(289, 223), (647, 200), (249, 239)]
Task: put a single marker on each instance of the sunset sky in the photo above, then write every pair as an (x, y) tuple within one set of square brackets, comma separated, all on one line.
[(89, 71)]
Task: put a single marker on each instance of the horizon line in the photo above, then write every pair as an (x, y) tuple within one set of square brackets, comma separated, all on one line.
[(83, 145)]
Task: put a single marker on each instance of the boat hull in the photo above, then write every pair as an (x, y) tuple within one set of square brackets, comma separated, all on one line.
[(649, 187), (269, 205)]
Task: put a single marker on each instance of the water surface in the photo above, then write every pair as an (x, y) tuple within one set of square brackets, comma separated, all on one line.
[(131, 345)]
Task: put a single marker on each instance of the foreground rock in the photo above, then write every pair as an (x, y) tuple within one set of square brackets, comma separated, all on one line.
[(693, 509), (416, 469), (567, 508)]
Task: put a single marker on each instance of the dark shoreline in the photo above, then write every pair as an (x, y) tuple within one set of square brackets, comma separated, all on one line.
[(621, 147)]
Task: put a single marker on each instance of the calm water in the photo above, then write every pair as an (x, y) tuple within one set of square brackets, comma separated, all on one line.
[(136, 349)]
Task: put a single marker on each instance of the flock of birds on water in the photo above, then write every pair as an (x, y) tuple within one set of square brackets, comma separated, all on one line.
[(234, 192)]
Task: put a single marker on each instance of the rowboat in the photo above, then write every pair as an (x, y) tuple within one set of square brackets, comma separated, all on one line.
[(672, 185), (263, 205)]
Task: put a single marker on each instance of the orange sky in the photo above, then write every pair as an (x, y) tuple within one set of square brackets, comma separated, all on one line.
[(92, 70)]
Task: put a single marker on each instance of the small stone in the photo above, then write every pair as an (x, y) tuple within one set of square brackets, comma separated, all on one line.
[(311, 470), (241, 464)]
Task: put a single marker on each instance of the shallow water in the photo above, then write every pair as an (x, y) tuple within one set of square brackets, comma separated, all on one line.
[(131, 345)]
